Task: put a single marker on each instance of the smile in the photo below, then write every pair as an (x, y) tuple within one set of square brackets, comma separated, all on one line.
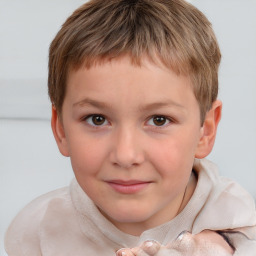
[(128, 187)]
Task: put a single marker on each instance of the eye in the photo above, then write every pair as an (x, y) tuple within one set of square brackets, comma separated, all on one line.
[(158, 121), (96, 120)]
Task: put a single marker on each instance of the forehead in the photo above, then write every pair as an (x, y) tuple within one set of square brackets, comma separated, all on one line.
[(123, 65), (130, 62), (173, 64), (127, 66), (120, 80)]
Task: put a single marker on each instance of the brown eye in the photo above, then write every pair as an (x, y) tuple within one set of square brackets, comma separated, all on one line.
[(159, 120), (96, 120)]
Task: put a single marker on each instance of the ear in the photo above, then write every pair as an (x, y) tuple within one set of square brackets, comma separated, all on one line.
[(59, 133), (209, 130)]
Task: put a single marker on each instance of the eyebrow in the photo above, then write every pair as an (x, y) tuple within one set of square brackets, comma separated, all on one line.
[(167, 103), (146, 107), (92, 102)]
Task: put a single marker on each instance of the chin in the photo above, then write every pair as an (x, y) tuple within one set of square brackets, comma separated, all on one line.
[(129, 216)]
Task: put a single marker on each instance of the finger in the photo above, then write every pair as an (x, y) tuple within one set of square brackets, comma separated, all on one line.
[(184, 242), (151, 247), (125, 252), (200, 245), (182, 235)]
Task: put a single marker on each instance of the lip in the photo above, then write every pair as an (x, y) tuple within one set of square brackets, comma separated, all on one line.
[(129, 186)]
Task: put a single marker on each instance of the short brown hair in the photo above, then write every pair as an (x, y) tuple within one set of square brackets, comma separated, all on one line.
[(172, 31)]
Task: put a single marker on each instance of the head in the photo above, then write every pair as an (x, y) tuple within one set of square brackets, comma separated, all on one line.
[(172, 32), (134, 86)]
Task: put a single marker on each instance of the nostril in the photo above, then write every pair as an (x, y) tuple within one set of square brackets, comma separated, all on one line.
[(126, 157)]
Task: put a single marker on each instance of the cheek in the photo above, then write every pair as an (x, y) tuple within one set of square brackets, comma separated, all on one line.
[(86, 155), (173, 159), (174, 153)]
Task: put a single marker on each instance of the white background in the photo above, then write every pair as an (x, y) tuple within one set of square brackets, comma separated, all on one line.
[(30, 163)]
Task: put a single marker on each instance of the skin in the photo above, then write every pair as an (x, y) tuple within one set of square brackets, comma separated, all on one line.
[(132, 134), (205, 243)]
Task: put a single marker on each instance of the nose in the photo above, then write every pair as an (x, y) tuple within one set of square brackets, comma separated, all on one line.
[(127, 150)]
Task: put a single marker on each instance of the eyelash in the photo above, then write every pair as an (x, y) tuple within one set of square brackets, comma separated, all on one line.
[(94, 116), (167, 121)]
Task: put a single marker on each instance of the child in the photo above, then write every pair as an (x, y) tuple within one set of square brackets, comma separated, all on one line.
[(134, 91)]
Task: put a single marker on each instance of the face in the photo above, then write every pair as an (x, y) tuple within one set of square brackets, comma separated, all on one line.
[(132, 134)]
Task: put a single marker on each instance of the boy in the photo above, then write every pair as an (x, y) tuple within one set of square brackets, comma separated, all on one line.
[(134, 91)]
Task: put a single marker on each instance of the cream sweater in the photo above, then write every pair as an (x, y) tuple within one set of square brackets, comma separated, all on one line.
[(65, 222)]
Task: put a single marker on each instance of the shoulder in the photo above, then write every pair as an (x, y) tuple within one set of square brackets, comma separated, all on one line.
[(226, 204), (208, 173), (22, 236)]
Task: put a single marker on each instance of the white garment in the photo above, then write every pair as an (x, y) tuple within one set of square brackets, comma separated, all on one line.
[(66, 222)]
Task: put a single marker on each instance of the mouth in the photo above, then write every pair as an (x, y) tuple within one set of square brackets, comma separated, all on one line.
[(128, 187)]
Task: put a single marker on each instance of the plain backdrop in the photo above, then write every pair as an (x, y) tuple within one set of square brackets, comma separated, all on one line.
[(30, 163)]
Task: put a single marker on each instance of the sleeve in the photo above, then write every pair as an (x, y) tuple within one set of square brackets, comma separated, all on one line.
[(22, 236), (25, 235), (243, 245)]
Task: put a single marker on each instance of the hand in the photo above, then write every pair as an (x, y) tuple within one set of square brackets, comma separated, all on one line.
[(206, 243), (149, 247)]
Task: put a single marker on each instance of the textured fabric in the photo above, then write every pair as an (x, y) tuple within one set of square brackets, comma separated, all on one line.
[(66, 222)]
